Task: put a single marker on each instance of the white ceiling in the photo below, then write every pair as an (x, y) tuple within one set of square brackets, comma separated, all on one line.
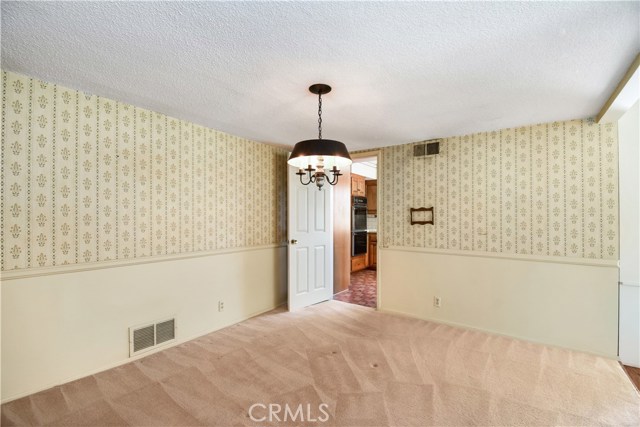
[(401, 72), (365, 166)]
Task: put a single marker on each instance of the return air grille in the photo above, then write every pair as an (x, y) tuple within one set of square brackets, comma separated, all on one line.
[(165, 331), (143, 338), (146, 337), (430, 148)]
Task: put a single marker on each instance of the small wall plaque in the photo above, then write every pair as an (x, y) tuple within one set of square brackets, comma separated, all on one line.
[(421, 216)]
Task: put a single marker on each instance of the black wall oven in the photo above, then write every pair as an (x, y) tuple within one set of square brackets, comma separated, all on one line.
[(358, 243), (358, 226), (359, 214)]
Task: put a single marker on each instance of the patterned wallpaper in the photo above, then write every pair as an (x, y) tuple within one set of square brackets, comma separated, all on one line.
[(90, 179), (549, 189)]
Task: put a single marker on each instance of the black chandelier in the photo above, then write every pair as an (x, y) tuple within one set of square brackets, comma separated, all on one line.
[(323, 153)]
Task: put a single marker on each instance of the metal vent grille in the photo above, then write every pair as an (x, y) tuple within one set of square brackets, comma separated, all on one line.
[(143, 338), (165, 331), (430, 148)]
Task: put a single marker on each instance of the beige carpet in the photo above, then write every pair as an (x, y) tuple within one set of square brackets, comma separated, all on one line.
[(369, 368)]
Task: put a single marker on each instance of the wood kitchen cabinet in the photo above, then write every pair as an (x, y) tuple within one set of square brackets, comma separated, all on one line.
[(372, 196), (358, 186), (369, 259), (358, 262), (372, 250)]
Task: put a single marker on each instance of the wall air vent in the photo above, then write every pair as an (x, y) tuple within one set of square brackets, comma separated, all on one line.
[(165, 331), (146, 337), (431, 147), (143, 338)]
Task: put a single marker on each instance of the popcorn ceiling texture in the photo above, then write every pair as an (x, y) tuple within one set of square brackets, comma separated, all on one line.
[(89, 179), (401, 71), (548, 189)]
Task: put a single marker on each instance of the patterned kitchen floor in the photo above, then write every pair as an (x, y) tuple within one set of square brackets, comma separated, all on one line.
[(362, 289)]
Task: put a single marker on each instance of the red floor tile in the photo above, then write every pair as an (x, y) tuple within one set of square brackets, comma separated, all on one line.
[(362, 289)]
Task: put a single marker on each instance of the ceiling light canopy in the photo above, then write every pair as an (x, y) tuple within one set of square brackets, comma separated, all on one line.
[(321, 153)]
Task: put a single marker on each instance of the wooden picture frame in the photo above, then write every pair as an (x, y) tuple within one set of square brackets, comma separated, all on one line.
[(426, 210)]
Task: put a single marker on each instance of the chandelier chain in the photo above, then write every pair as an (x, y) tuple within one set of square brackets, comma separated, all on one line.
[(320, 115)]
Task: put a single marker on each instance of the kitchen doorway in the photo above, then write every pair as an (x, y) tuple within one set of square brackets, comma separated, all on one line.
[(362, 217)]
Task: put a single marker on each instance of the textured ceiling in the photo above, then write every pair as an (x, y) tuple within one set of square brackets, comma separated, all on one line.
[(401, 72)]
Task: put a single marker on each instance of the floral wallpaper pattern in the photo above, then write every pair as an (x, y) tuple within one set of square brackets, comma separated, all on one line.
[(549, 189), (89, 179)]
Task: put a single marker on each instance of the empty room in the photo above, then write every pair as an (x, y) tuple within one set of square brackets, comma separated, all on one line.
[(319, 213)]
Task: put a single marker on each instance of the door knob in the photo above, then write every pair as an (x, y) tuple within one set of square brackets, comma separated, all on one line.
[(294, 241)]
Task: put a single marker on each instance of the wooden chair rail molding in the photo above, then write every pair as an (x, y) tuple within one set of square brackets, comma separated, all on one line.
[(427, 210), (24, 273)]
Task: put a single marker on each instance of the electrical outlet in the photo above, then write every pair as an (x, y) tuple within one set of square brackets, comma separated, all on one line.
[(437, 302), (220, 305)]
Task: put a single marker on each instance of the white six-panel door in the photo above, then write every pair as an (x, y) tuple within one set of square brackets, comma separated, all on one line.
[(310, 242)]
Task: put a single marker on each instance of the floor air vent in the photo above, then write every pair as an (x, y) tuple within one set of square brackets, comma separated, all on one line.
[(146, 337)]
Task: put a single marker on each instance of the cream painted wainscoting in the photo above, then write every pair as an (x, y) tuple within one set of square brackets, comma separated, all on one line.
[(115, 216), (59, 326), (525, 239), (568, 304)]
